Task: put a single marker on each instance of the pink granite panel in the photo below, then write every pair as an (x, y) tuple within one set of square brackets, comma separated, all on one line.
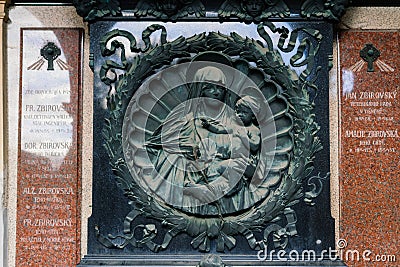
[(370, 150), (49, 183)]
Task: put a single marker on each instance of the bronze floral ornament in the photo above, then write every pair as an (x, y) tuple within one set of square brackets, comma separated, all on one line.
[(92, 10), (211, 135), (331, 9)]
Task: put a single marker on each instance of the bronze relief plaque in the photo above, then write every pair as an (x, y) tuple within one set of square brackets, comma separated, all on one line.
[(207, 139)]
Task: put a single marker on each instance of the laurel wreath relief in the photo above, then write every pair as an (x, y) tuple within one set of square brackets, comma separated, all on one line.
[(274, 214)]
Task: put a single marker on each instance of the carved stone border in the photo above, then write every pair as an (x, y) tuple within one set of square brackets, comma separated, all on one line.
[(329, 10)]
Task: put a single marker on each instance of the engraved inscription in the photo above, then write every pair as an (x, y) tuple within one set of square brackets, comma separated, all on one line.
[(48, 182), (369, 140), (370, 107)]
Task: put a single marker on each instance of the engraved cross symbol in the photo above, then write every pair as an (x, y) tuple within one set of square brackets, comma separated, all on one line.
[(50, 52), (370, 54)]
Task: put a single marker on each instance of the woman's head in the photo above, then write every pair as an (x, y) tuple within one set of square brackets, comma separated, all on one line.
[(210, 83), (211, 74)]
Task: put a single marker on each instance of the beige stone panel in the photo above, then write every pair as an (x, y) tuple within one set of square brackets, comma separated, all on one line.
[(334, 138), (371, 18), (3, 181)]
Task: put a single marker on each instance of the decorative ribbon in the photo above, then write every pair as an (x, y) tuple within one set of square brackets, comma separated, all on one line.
[(149, 233), (280, 234), (149, 30), (305, 46), (111, 65)]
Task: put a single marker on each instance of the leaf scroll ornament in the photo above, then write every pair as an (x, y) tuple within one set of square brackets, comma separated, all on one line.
[(92, 10), (331, 10), (273, 214)]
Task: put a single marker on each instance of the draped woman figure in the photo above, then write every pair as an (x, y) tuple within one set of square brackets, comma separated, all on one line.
[(187, 153)]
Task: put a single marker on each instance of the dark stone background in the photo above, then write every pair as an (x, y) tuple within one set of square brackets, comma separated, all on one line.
[(110, 206)]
